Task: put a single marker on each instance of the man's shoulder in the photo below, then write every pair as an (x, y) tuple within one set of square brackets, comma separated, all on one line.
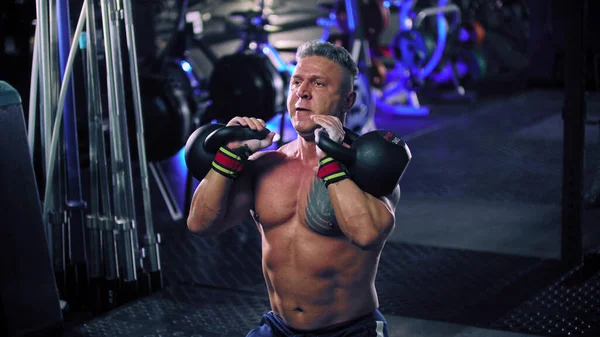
[(284, 151), (288, 149), (265, 159), (268, 159), (264, 156)]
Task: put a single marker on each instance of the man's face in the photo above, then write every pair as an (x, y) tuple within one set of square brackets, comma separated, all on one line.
[(318, 86)]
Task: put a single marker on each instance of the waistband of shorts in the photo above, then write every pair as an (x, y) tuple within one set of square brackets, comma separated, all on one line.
[(375, 315)]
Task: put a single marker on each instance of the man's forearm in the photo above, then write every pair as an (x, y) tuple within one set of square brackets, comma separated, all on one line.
[(364, 219), (209, 203)]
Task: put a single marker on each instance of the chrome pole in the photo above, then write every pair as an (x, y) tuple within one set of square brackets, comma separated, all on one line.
[(150, 241), (121, 169)]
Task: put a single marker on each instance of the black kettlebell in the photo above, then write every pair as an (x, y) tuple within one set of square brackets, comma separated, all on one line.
[(376, 160), (203, 144)]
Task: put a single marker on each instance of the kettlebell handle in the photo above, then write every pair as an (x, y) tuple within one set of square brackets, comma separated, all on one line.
[(226, 134), (350, 136), (335, 150)]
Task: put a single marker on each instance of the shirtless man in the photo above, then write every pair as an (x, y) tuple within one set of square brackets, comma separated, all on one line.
[(321, 242)]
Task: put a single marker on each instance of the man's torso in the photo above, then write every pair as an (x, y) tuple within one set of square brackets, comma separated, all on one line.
[(314, 280)]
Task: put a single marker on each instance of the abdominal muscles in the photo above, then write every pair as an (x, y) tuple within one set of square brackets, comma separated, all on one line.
[(315, 281)]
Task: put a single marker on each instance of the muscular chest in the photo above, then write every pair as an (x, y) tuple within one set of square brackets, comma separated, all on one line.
[(293, 193)]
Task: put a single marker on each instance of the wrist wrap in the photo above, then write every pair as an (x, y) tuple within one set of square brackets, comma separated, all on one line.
[(230, 163), (331, 171)]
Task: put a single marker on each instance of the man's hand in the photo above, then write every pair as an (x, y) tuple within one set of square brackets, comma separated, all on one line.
[(257, 124), (334, 129)]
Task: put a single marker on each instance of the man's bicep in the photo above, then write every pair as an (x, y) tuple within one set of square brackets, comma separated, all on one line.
[(389, 201), (394, 198), (241, 200)]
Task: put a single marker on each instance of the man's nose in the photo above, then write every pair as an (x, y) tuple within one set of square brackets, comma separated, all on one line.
[(303, 91)]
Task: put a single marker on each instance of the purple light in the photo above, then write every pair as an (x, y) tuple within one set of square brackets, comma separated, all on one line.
[(463, 35), (441, 43), (402, 109), (445, 74)]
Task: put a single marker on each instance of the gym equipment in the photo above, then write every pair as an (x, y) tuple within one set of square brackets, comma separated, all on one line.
[(413, 48), (361, 116), (27, 275), (359, 34), (376, 160), (375, 16), (252, 81), (418, 56), (468, 63), (169, 81), (516, 46), (174, 92), (246, 84), (74, 248), (471, 33), (377, 73), (170, 107), (202, 146), (123, 264), (256, 67)]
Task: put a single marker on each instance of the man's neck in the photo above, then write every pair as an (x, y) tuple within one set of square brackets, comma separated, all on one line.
[(307, 150)]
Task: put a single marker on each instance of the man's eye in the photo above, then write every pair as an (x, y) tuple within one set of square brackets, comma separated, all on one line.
[(320, 84)]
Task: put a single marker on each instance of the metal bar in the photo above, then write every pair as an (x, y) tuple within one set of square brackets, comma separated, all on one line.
[(33, 96), (108, 255), (149, 235), (43, 42), (105, 253), (53, 206), (121, 166), (165, 191), (92, 219), (74, 227), (574, 112), (422, 15), (359, 46)]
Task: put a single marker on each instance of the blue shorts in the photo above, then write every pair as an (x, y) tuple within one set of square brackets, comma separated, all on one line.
[(371, 325)]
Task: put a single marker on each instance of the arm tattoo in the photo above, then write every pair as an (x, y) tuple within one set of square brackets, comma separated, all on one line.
[(320, 216)]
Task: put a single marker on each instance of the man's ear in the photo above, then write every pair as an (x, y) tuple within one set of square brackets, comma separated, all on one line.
[(349, 101)]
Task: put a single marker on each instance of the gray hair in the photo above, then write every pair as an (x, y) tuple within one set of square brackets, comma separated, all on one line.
[(328, 50)]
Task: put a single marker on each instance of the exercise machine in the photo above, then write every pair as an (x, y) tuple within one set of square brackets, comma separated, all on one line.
[(357, 25), (417, 55), (253, 81)]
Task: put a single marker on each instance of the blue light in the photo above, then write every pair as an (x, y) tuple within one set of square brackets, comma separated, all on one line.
[(186, 66), (404, 14), (83, 40), (402, 109), (350, 15), (179, 163), (463, 35), (291, 68), (272, 53), (441, 43)]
